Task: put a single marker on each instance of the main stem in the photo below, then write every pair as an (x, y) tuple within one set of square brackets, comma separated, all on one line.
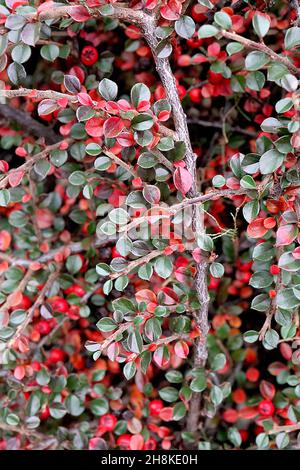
[(180, 121)]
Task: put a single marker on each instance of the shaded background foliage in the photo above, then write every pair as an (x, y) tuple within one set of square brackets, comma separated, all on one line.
[(103, 338)]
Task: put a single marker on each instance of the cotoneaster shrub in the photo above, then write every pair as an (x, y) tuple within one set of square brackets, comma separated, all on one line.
[(149, 231)]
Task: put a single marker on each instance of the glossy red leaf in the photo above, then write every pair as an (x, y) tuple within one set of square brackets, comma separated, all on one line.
[(286, 234), (145, 295), (256, 228), (161, 356), (166, 414), (113, 127), (183, 180), (85, 99), (15, 178), (172, 10), (94, 127), (267, 389), (79, 13), (137, 442), (181, 349)]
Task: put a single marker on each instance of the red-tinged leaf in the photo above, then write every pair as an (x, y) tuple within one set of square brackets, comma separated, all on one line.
[(5, 240), (199, 59), (46, 6), (3, 266), (126, 139), (150, 4), (94, 127), (97, 443), (113, 351), (182, 274), (113, 127), (4, 166), (143, 106), (19, 372), (94, 3), (14, 298), (166, 413), (124, 105), (22, 344), (232, 183), (85, 99), (181, 349), (256, 228), (145, 295), (170, 297), (112, 107), (15, 178), (196, 253), (4, 318), (286, 234), (35, 266), (296, 253), (46, 107), (63, 102), (172, 10), (72, 84), (136, 442), (161, 356), (286, 351), (248, 412), (163, 116), (267, 389), (276, 368), (79, 13), (183, 180), (151, 194), (44, 218)]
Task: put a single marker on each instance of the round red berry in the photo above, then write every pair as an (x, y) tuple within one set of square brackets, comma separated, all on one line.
[(89, 55), (274, 269), (195, 95), (60, 305), (155, 407), (266, 408)]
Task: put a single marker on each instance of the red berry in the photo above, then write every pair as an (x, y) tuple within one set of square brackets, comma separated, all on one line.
[(155, 407), (214, 78), (239, 396), (150, 444), (195, 95), (89, 55), (55, 355), (266, 408), (124, 441), (45, 412), (274, 269), (197, 13), (60, 305), (24, 304), (194, 43), (181, 91), (108, 422), (75, 289), (252, 374), (43, 327), (272, 294)]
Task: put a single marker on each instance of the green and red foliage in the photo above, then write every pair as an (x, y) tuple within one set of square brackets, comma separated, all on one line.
[(149, 230)]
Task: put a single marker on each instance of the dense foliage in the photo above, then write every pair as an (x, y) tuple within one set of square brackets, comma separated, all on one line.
[(149, 230)]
